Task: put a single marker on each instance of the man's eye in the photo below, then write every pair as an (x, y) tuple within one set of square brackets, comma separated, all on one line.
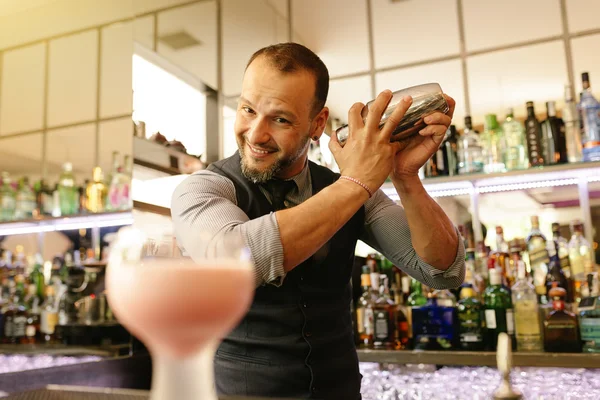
[(248, 110), (282, 121)]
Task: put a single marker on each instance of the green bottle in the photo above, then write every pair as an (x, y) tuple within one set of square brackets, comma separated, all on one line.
[(493, 143), (67, 192), (37, 277), (498, 311), (416, 298), (470, 318)]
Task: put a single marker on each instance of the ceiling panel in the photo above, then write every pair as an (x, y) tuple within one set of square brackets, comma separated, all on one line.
[(583, 14), (247, 27), (336, 30), (72, 81), (586, 58), (22, 90), (143, 31), (495, 23), (393, 20), (345, 92), (21, 155), (537, 73), (116, 67), (448, 74), (187, 36), (76, 145)]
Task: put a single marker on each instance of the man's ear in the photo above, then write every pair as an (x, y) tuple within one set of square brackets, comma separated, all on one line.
[(319, 122)]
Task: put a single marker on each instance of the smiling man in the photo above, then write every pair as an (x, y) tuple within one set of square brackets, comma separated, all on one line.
[(302, 221)]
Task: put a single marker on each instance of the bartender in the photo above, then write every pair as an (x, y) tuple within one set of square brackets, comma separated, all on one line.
[(301, 222)]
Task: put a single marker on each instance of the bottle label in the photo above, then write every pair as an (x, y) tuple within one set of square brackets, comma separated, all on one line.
[(48, 323), (527, 322), (471, 337), (8, 327), (19, 323), (381, 325), (368, 321), (30, 331), (490, 319), (405, 284), (360, 319), (510, 322), (590, 329), (439, 157)]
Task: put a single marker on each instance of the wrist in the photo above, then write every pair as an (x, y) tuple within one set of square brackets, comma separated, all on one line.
[(359, 183), (354, 189), (407, 184)]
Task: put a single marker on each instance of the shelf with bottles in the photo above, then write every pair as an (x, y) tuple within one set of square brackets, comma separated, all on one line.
[(544, 293), (559, 147), (41, 301), (94, 203)]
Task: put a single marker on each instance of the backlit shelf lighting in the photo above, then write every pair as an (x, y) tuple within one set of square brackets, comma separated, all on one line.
[(67, 223)]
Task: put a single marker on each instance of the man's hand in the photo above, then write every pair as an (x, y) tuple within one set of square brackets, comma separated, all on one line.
[(415, 151), (368, 154)]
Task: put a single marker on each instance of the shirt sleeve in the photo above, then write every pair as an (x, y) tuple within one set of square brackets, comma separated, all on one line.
[(204, 212), (387, 230)]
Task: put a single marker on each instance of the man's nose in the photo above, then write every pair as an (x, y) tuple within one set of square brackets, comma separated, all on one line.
[(259, 131)]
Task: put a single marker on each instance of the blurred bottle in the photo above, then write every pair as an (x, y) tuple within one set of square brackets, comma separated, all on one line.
[(470, 317), (25, 205), (561, 331), (96, 192), (68, 195), (580, 252), (384, 317), (538, 258), (364, 313), (470, 153), (49, 316), (590, 111), (515, 152), (533, 131), (8, 198), (493, 142), (498, 311), (528, 326), (553, 134), (572, 128)]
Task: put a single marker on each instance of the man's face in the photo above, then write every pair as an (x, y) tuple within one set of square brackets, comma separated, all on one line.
[(273, 123)]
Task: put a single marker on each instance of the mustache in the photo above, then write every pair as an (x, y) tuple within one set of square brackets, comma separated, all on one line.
[(262, 147)]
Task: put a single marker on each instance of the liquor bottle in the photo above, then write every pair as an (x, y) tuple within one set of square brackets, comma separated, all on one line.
[(384, 318), (32, 325), (364, 313), (402, 341), (8, 201), (590, 286), (49, 316), (96, 192), (528, 326), (589, 318), (110, 193), (451, 151), (580, 252), (590, 112), (501, 257), (493, 143), (553, 134), (562, 246), (470, 153), (126, 199), (555, 272), (25, 204), (15, 317), (416, 298), (498, 311), (373, 261), (538, 257), (67, 191), (515, 152), (438, 165), (36, 277), (43, 198), (572, 128), (82, 197), (56, 201), (470, 319), (533, 130), (561, 332), (435, 324)]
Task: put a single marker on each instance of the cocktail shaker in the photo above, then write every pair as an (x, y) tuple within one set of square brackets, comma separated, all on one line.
[(427, 99)]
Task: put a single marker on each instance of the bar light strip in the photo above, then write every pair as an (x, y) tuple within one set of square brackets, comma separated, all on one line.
[(82, 222)]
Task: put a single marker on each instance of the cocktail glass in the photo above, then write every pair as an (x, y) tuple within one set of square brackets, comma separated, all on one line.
[(179, 308)]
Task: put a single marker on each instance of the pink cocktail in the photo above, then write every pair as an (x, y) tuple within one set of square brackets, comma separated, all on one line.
[(180, 309)]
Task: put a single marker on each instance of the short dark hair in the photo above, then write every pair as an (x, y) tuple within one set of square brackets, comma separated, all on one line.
[(291, 57)]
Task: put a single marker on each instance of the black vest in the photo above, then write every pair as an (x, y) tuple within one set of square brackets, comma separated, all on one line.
[(296, 340)]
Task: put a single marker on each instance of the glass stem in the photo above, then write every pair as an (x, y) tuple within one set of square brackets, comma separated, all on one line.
[(184, 378)]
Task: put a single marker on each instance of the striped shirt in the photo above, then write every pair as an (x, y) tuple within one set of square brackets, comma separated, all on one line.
[(206, 202)]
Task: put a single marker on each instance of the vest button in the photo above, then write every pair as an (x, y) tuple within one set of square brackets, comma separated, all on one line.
[(305, 305), (301, 277), (314, 390), (308, 333)]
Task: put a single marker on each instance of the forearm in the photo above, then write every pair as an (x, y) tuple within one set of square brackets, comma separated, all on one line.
[(433, 235), (304, 229)]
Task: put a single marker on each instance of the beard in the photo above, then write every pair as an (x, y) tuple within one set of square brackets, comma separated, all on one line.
[(263, 175)]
